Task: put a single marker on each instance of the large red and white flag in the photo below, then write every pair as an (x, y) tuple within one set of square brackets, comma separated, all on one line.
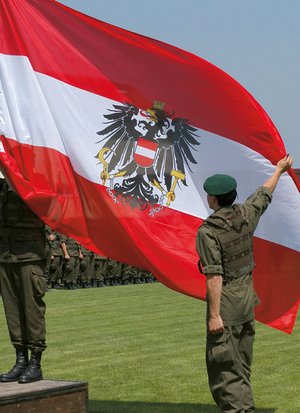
[(109, 136)]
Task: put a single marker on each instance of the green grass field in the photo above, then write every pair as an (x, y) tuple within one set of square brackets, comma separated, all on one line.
[(141, 349)]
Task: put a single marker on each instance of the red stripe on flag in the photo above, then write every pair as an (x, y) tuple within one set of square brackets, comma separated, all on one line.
[(276, 284), (125, 66), (77, 207)]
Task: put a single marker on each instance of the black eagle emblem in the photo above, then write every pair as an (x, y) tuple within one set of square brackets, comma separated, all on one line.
[(144, 154)]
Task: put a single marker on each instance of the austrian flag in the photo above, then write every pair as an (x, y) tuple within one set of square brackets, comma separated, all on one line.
[(109, 135)]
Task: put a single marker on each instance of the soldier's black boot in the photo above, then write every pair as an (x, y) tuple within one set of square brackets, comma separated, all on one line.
[(19, 367), (33, 371)]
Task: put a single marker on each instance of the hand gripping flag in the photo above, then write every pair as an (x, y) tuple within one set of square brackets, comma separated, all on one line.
[(109, 136)]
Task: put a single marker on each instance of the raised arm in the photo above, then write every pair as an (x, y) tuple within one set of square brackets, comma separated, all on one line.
[(282, 166)]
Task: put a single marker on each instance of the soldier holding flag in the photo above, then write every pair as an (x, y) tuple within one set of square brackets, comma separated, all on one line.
[(224, 244)]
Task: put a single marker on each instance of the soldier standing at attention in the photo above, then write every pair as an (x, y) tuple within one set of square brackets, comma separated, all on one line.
[(224, 245), (87, 267), (72, 255), (100, 270), (127, 274), (113, 273), (55, 258), (22, 284)]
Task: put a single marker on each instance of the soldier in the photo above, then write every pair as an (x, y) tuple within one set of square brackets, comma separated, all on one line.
[(47, 231), (224, 244), (114, 270), (148, 277), (100, 270), (72, 254), (23, 284), (87, 267), (137, 275), (128, 274), (55, 258)]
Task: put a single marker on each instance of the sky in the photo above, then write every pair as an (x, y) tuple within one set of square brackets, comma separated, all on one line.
[(256, 42)]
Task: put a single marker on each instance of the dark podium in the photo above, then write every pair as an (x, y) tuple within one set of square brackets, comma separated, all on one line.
[(45, 396)]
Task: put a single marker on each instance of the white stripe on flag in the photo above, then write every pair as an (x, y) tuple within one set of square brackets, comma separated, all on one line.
[(68, 121)]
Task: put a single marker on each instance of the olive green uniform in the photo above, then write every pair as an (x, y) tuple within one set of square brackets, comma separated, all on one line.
[(128, 274), (22, 271), (224, 244), (87, 266), (146, 276), (114, 272), (55, 258), (47, 231), (71, 266), (100, 270)]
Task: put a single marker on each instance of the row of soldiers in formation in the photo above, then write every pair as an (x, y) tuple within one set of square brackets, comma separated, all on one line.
[(70, 265)]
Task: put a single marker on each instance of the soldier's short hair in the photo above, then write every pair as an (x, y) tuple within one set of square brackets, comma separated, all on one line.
[(227, 199)]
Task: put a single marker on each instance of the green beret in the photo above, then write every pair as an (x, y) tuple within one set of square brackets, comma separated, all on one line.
[(219, 184)]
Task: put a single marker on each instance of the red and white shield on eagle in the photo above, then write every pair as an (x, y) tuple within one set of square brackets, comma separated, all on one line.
[(145, 152)]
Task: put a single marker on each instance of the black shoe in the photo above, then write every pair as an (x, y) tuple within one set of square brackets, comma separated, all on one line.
[(33, 372), (19, 368)]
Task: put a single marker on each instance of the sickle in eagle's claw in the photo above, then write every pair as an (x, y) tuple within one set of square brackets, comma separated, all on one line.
[(104, 174)]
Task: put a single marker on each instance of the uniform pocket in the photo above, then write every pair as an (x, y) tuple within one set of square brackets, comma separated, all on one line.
[(39, 280), (219, 349)]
